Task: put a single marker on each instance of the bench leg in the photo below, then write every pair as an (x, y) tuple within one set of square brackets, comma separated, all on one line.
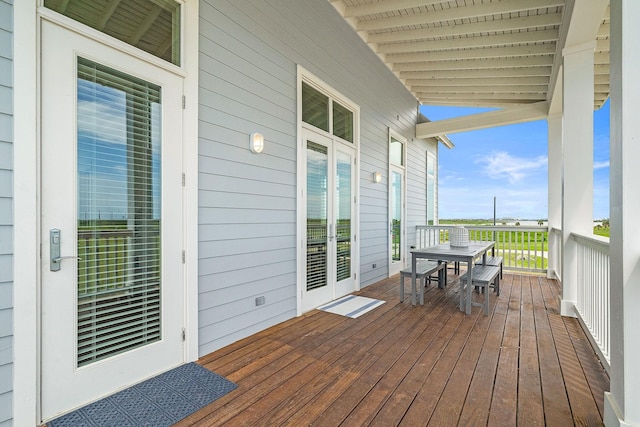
[(486, 299), (401, 288)]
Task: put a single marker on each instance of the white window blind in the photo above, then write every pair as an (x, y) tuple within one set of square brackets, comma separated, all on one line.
[(317, 163), (118, 161), (343, 214)]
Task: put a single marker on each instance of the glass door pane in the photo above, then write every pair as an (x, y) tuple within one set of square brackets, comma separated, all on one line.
[(396, 216), (118, 291), (343, 215), (317, 215)]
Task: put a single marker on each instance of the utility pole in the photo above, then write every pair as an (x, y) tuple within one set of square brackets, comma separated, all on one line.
[(493, 251)]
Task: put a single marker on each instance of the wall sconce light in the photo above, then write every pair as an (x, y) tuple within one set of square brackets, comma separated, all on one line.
[(256, 143), (377, 177)]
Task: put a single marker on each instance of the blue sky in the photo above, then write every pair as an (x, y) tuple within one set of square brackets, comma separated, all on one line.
[(510, 163)]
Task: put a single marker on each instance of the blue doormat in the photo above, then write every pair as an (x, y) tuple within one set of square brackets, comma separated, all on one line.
[(159, 401)]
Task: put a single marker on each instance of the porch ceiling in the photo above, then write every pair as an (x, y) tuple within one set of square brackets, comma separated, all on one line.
[(482, 53)]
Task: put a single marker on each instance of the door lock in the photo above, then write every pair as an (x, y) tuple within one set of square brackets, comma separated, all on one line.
[(54, 250)]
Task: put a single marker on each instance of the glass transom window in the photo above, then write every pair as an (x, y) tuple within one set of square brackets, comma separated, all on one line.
[(150, 25), (396, 152), (318, 109)]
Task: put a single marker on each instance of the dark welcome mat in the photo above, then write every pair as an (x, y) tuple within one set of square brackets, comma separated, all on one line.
[(159, 401)]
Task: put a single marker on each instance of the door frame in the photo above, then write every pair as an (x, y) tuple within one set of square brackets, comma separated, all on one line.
[(60, 200), (394, 268), (301, 171), (334, 288), (26, 361)]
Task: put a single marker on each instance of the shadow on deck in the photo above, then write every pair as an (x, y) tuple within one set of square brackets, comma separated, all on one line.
[(523, 364)]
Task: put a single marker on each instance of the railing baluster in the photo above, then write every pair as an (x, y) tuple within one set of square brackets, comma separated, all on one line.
[(592, 303)]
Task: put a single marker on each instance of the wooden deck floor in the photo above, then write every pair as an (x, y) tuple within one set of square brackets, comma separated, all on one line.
[(522, 365)]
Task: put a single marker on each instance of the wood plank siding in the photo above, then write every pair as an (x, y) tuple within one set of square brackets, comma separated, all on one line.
[(6, 212), (523, 365), (247, 224)]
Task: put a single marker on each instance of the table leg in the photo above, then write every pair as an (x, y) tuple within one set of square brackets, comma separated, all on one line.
[(413, 279), (469, 285)]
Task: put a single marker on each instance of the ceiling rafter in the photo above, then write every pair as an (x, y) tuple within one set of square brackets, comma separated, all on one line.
[(471, 81), (532, 97), (106, 15), (480, 89), (474, 64), (469, 42), (497, 52), (492, 26), (544, 71), (387, 6)]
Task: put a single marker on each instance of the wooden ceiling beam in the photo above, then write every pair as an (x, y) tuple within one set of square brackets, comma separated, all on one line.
[(516, 114), (480, 89), (455, 13), (474, 64), (487, 96), (471, 42), (536, 71), (452, 55), (386, 6), (489, 26), (475, 81)]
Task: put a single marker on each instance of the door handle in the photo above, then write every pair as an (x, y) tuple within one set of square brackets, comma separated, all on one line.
[(330, 232), (54, 251)]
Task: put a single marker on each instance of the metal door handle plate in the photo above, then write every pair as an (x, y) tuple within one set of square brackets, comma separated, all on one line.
[(54, 250)]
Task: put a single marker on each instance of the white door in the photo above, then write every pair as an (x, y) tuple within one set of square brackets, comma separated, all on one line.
[(330, 219), (396, 220), (111, 195)]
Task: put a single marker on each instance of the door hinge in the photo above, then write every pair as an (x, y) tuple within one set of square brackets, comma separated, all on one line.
[(354, 276), (355, 237), (355, 160), (184, 179), (184, 102), (184, 335), (184, 256)]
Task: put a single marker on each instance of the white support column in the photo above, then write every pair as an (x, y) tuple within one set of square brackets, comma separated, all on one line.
[(554, 126), (577, 162), (622, 406)]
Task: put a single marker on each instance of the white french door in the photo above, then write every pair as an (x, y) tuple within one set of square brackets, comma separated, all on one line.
[(112, 305), (330, 219)]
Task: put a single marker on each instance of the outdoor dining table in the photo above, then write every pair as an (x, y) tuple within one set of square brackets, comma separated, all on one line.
[(446, 252)]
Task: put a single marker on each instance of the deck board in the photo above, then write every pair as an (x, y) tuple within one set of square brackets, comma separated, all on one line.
[(530, 407), (523, 364)]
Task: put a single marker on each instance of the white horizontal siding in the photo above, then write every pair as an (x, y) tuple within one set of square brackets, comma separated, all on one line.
[(6, 213), (417, 187), (249, 52)]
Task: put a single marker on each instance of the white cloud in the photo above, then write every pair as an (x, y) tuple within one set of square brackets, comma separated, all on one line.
[(501, 165), (601, 165), (102, 122)]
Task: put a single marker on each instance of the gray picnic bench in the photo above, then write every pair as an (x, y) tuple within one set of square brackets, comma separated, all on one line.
[(496, 261), (485, 277), (425, 271)]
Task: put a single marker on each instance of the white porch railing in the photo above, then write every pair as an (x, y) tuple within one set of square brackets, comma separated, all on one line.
[(554, 269), (534, 249), (522, 248), (592, 303)]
